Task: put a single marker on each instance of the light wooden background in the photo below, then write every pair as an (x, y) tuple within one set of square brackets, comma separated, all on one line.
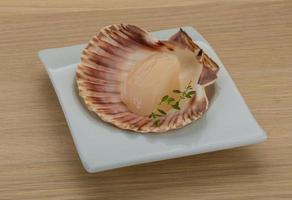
[(37, 157)]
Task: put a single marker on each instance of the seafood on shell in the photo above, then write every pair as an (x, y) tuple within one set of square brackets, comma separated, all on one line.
[(124, 72)]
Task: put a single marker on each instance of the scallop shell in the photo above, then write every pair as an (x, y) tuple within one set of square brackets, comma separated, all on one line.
[(107, 59)]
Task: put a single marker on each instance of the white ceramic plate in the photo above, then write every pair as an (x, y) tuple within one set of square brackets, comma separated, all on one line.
[(228, 123)]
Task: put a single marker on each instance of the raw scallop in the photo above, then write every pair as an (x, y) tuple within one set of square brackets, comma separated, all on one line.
[(124, 73)]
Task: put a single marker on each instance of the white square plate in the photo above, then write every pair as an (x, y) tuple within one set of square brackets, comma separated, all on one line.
[(227, 124)]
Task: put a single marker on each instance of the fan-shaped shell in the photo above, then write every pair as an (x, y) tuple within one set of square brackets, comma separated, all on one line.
[(110, 55)]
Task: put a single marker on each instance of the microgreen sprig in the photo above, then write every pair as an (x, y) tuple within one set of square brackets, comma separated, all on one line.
[(156, 115)]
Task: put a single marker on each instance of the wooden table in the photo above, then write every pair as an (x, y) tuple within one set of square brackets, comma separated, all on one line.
[(37, 157)]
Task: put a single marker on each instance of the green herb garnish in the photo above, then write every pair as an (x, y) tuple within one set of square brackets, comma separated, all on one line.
[(156, 115)]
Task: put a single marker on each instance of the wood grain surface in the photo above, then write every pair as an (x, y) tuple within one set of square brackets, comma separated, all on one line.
[(37, 157)]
